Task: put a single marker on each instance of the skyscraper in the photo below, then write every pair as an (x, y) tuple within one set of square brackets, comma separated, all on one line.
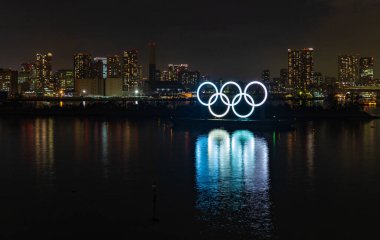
[(83, 66), (130, 70), (9, 81), (300, 68), (348, 68), (26, 75), (113, 67), (165, 75), (100, 66), (89, 75), (265, 76), (64, 79), (152, 61), (283, 76), (366, 69), (43, 72)]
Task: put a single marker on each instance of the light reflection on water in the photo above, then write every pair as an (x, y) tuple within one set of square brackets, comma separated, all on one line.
[(44, 149), (93, 175), (232, 181)]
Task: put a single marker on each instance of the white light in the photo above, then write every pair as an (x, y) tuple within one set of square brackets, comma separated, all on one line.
[(235, 101), (231, 83), (265, 93), (136, 91), (216, 97), (199, 89), (252, 105)]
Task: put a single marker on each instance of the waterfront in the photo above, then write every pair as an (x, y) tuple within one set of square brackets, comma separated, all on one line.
[(85, 177)]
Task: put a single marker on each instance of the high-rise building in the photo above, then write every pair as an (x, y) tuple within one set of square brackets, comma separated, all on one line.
[(89, 74), (100, 67), (265, 76), (348, 68), (64, 79), (165, 75), (318, 78), (366, 69), (131, 71), (158, 75), (26, 67), (152, 61), (174, 70), (113, 67), (9, 81), (300, 68), (26, 76), (43, 78), (83, 66), (283, 76)]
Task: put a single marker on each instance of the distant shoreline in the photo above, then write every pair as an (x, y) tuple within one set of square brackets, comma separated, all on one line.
[(308, 113)]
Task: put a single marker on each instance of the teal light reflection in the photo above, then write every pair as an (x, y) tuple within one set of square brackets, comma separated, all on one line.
[(232, 180)]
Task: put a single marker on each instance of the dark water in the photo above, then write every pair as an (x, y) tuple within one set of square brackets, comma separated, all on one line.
[(84, 178)]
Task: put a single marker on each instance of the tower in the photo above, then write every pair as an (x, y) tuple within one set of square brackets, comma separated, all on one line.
[(300, 68), (43, 72), (366, 70), (348, 68), (130, 70)]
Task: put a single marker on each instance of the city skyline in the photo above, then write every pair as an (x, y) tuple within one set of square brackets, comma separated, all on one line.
[(275, 73), (253, 37)]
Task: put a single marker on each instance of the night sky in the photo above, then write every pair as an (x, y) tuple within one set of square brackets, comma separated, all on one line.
[(234, 39)]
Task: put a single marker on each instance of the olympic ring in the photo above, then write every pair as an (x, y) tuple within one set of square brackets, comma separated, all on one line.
[(222, 95), (231, 83), (199, 88), (236, 99)]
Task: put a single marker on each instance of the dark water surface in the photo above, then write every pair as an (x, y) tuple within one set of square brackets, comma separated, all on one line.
[(83, 177)]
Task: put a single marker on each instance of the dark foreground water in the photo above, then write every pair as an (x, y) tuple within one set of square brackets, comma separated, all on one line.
[(84, 178)]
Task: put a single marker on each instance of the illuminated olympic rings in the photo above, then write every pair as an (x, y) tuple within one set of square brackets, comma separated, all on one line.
[(235, 100)]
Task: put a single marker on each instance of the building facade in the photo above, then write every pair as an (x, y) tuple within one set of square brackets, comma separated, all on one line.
[(131, 71), (26, 76), (366, 70), (65, 80), (43, 78), (100, 67), (348, 69), (9, 81), (113, 67), (283, 76), (175, 69), (265, 76), (83, 66), (300, 68)]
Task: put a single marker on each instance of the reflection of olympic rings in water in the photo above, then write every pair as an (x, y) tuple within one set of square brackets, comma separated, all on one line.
[(235, 100)]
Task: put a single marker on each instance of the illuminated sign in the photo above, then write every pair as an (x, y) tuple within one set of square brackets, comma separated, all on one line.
[(235, 100)]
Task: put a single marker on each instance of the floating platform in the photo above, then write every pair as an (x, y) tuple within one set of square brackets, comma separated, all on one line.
[(233, 124)]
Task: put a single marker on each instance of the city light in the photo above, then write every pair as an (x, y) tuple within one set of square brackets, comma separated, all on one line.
[(235, 101)]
